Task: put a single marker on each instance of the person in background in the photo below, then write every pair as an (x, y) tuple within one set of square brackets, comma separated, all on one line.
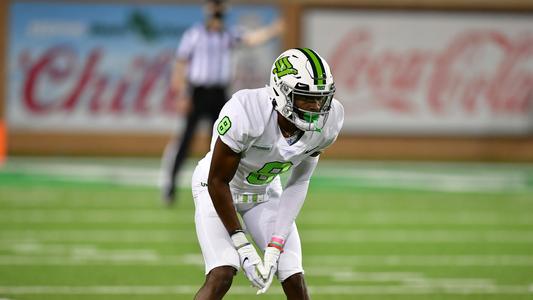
[(201, 76)]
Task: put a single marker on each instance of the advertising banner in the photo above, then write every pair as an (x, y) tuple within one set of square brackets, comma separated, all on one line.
[(428, 73), (106, 67)]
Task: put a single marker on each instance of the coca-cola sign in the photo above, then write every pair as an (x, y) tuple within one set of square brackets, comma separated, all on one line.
[(104, 67), (427, 72)]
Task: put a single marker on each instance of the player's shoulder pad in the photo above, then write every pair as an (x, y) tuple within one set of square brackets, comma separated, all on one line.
[(256, 109), (335, 118), (333, 126)]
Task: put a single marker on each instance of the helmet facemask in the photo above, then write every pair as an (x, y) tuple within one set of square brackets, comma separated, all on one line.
[(307, 110)]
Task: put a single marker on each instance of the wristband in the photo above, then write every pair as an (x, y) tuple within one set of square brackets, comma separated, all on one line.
[(277, 243)]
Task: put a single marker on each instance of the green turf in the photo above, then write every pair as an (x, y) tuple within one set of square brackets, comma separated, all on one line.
[(63, 238)]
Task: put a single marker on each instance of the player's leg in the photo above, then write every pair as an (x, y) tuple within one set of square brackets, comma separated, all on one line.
[(220, 257), (295, 287), (290, 269), (260, 221), (217, 283)]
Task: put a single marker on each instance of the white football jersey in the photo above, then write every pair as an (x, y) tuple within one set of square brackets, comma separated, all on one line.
[(248, 125)]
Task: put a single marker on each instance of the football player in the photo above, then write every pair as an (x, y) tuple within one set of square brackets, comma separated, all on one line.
[(260, 134)]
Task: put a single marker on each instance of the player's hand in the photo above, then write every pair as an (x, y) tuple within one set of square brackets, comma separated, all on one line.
[(272, 253), (250, 261)]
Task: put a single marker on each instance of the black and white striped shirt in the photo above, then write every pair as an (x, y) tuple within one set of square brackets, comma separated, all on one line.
[(208, 54)]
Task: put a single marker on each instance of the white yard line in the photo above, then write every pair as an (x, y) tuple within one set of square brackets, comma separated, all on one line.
[(472, 260), (106, 173), (345, 273), (448, 181), (6, 260), (451, 178), (429, 289), (513, 236), (35, 253), (313, 261), (139, 216), (404, 277), (100, 235)]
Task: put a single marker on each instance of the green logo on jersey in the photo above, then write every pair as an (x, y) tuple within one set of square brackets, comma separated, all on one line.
[(284, 67), (268, 172), (224, 125)]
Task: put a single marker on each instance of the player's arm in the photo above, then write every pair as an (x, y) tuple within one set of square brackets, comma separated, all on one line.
[(224, 164), (294, 195), (291, 202)]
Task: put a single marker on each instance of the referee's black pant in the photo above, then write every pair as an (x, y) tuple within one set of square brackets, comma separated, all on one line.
[(206, 102)]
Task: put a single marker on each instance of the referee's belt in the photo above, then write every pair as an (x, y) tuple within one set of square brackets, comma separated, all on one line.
[(249, 198)]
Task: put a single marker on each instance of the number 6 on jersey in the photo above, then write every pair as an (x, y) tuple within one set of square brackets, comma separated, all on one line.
[(268, 172)]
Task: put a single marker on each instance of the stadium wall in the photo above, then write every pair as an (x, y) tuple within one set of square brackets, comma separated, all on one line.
[(506, 146)]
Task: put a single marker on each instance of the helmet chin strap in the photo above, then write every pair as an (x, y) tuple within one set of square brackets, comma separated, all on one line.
[(287, 113)]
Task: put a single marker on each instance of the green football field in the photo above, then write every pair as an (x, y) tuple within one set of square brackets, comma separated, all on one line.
[(95, 229)]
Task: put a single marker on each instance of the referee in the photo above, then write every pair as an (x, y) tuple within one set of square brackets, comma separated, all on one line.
[(201, 77)]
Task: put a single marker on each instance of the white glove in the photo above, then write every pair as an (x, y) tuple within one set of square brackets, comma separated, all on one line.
[(272, 253), (250, 261)]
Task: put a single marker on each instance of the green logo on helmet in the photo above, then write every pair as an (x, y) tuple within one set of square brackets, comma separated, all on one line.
[(284, 67)]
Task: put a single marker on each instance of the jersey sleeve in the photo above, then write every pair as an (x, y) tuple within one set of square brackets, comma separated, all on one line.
[(233, 126)]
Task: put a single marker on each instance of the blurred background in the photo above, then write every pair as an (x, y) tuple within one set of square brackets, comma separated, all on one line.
[(427, 193)]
